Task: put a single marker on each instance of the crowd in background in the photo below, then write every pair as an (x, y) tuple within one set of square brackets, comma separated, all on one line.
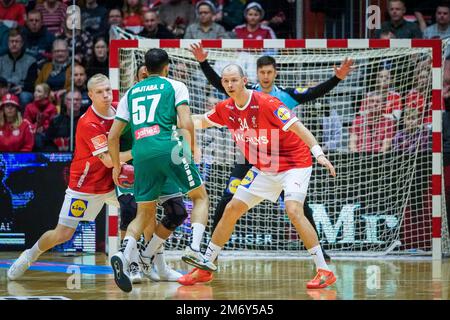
[(35, 60)]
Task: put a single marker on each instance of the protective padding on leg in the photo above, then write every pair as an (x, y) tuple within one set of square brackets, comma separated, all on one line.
[(174, 213), (128, 210)]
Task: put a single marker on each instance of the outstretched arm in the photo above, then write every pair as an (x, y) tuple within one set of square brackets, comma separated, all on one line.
[(201, 56), (323, 88), (300, 130), (200, 121)]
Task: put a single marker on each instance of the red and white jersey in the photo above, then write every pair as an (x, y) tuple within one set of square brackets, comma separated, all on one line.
[(263, 32), (260, 130), (416, 100), (88, 174), (393, 105)]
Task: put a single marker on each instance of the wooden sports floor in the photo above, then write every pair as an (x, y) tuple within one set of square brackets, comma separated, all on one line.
[(237, 279)]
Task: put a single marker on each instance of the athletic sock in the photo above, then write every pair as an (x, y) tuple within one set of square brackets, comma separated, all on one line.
[(130, 251), (197, 234), (153, 246), (34, 252), (212, 251), (160, 260), (316, 253)]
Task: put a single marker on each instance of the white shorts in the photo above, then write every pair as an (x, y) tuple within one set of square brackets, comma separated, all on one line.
[(79, 206), (258, 185)]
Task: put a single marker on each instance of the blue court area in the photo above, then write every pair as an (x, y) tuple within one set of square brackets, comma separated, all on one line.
[(62, 267)]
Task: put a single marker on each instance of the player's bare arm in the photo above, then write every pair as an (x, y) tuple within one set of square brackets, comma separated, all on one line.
[(200, 121), (300, 130), (185, 122), (105, 157), (114, 148)]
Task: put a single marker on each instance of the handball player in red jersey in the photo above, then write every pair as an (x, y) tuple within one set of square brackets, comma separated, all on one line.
[(90, 183), (279, 146)]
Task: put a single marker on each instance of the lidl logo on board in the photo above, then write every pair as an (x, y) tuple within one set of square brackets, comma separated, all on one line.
[(233, 185), (77, 208), (247, 181), (283, 114)]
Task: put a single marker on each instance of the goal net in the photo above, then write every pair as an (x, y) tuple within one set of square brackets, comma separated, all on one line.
[(375, 127)]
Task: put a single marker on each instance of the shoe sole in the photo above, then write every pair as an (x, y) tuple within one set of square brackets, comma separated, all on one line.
[(121, 279), (191, 284), (329, 283), (194, 263)]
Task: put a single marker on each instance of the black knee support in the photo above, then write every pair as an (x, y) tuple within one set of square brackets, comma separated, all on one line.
[(174, 213), (128, 210)]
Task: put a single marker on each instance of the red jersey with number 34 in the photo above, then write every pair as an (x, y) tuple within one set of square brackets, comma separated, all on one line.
[(260, 130), (88, 174)]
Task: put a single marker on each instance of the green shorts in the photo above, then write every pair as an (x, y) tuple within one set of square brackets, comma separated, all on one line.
[(153, 175), (169, 190)]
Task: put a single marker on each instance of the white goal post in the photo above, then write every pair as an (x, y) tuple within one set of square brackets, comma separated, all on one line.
[(388, 195)]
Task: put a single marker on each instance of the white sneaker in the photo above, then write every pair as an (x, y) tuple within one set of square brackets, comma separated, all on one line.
[(19, 266), (135, 273), (168, 274), (196, 259), (153, 274), (145, 264), (120, 268)]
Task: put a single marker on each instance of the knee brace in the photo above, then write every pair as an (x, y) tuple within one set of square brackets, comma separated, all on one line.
[(128, 210), (174, 213)]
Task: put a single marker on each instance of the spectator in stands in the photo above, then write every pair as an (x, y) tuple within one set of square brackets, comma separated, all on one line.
[(415, 136), (39, 113), (280, 16), (58, 133), (115, 19), (93, 17), (387, 35), (176, 15), (38, 41), (397, 24), (416, 96), (19, 68), (57, 74), (54, 14), (4, 87), (132, 17), (4, 30), (99, 63), (84, 43), (392, 100), (16, 134), (332, 131), (205, 28), (12, 13), (80, 83), (253, 29), (441, 29), (153, 28), (232, 14), (371, 131)]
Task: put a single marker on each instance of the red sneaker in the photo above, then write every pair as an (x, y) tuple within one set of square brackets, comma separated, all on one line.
[(323, 279), (195, 276)]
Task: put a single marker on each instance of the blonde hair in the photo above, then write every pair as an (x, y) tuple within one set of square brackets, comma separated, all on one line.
[(95, 80), (46, 88), (16, 123)]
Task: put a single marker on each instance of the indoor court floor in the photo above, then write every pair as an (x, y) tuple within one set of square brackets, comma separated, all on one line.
[(89, 277)]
